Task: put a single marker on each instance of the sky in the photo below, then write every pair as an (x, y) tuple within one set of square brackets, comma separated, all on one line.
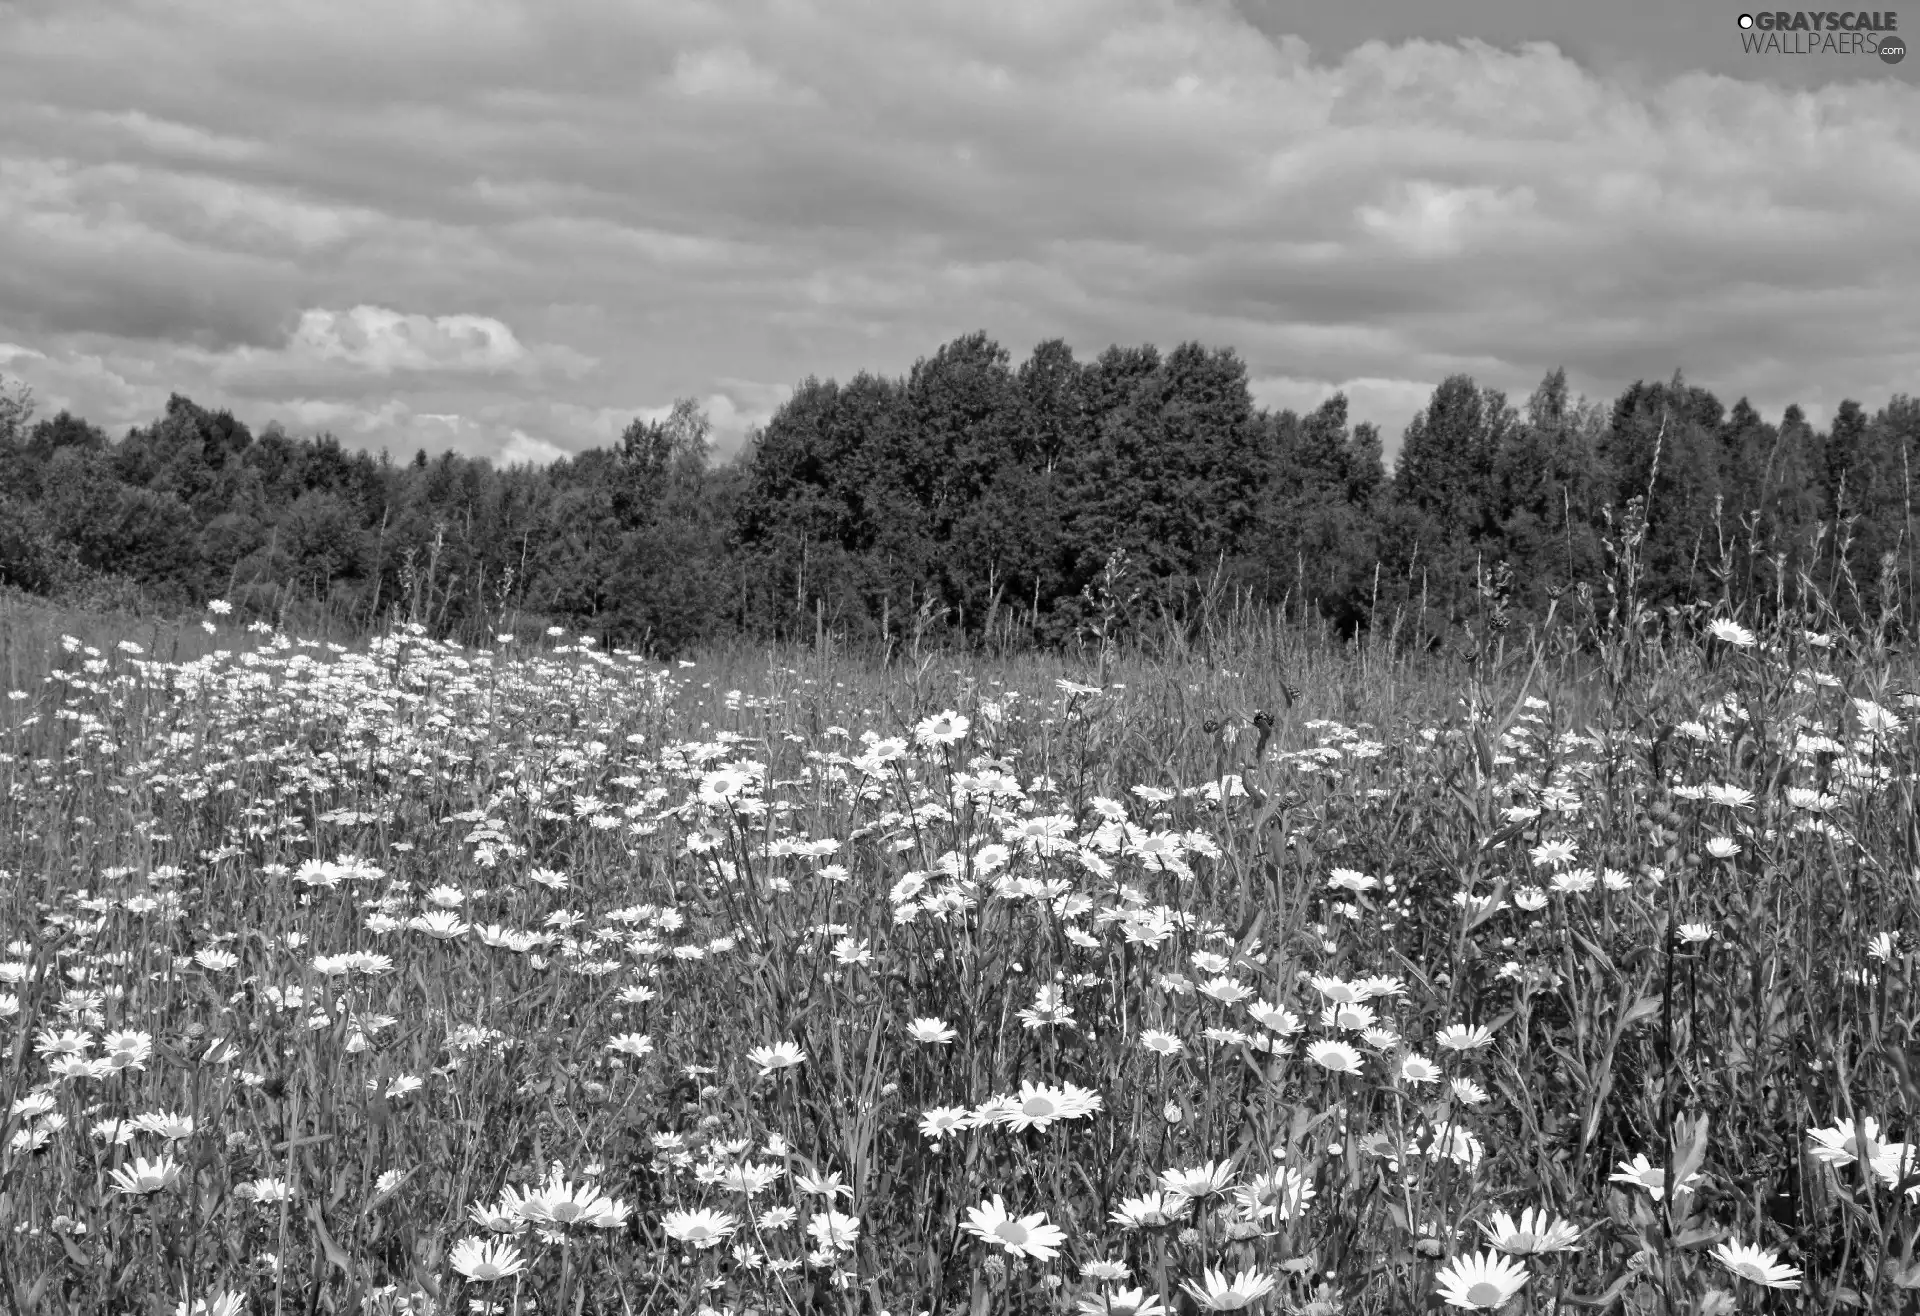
[(509, 227)]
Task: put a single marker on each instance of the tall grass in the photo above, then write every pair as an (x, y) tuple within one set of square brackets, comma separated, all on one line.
[(963, 982)]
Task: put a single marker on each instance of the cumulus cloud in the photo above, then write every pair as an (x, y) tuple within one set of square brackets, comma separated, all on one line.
[(524, 447), (1385, 403), (546, 219), (383, 341)]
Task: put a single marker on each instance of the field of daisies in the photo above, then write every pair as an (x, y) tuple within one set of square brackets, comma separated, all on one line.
[(403, 977)]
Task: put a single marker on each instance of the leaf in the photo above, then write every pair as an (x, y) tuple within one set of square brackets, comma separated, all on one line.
[(982, 1295), (39, 1289), (327, 1245), (1694, 1153), (1640, 1009), (1492, 906), (302, 1142), (1693, 1238), (1592, 948), (1575, 1070), (1413, 970), (1605, 1298)]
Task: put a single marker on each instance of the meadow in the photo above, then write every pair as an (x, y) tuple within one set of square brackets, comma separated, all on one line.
[(1571, 973)]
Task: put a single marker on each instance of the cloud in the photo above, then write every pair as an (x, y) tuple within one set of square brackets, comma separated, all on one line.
[(383, 341), (1385, 403), (368, 348), (524, 447), (547, 218)]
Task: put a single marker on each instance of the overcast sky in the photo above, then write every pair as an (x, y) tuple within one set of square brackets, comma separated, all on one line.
[(509, 226)]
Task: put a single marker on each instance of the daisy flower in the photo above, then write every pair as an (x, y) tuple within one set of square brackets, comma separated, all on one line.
[(68, 1043), (225, 1303), (1453, 1142), (1199, 1183), (938, 1122), (1284, 1192), (1839, 1146), (704, 1228), (1537, 1232), (559, 1203), (1894, 1163), (826, 1185), (486, 1260), (1355, 1018), (1122, 1302), (1459, 1037), (174, 1128), (835, 1230), (440, 924), (1641, 1173), (1553, 852), (935, 1031), (781, 1055), (1161, 1043), (1038, 1107), (1339, 992), (1756, 1265), (266, 1192), (1218, 1293), (1150, 1211), (1484, 1280), (1346, 879), (1028, 1236), (1336, 1056), (144, 1176), (1225, 990), (941, 729), (1730, 632), (1418, 1069), (1280, 1019)]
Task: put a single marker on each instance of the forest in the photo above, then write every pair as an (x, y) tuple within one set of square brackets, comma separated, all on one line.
[(987, 502)]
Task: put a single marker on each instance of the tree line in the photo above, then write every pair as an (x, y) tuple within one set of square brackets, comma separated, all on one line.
[(1024, 504)]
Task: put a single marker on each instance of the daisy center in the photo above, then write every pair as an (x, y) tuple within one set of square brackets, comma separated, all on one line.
[(1484, 1294), (1038, 1108), (1011, 1231)]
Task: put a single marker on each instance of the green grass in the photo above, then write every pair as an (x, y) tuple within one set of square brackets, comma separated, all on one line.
[(729, 856)]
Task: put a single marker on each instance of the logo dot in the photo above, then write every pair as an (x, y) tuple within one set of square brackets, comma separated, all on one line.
[(1746, 20)]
